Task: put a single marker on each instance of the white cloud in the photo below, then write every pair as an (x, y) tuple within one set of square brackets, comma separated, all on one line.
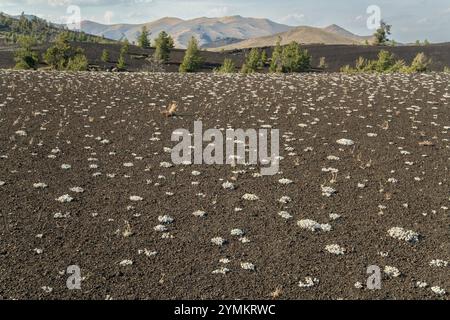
[(218, 12), (107, 17), (293, 18)]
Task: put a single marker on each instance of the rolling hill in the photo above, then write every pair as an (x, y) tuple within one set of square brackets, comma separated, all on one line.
[(11, 27), (335, 29), (332, 35)]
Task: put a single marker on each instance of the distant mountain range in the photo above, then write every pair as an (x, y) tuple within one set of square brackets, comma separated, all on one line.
[(206, 30), (226, 32)]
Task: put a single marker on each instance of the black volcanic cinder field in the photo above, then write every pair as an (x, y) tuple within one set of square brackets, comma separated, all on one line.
[(86, 179), (336, 56)]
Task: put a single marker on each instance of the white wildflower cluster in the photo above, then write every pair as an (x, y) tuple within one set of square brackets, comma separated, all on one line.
[(136, 198), (218, 241), (228, 186), (312, 225), (165, 165), (345, 142), (164, 222), (439, 263), (309, 282), (285, 181), (199, 213), (328, 191), (60, 215), (392, 272), (39, 185), (439, 291), (125, 263), (237, 232), (421, 284), (165, 219), (335, 249), (160, 228), (250, 197), (21, 133), (405, 235), (47, 289), (248, 266), (147, 252), (77, 189), (285, 215), (285, 200), (65, 199), (334, 216), (221, 270), (329, 169)]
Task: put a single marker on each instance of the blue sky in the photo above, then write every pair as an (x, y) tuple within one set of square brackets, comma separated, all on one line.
[(411, 19)]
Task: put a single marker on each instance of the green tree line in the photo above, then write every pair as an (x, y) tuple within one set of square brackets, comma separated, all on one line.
[(41, 30)]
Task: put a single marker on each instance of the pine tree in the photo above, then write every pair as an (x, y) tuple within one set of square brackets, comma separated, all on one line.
[(362, 64), (275, 63), (143, 40), (228, 66), (382, 33), (125, 47), (78, 63), (263, 59), (252, 62), (386, 61), (420, 63), (121, 64), (164, 43), (323, 63), (25, 57), (192, 60), (105, 56), (294, 59), (59, 55)]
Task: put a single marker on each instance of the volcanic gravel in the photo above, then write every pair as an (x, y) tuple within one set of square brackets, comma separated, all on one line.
[(86, 179)]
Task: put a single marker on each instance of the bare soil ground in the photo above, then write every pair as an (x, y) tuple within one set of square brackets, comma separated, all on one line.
[(100, 140)]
